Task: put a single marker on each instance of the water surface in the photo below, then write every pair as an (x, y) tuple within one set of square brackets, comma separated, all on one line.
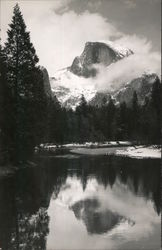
[(78, 202)]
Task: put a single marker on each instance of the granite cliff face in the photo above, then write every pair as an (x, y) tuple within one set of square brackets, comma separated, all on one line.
[(96, 53), (69, 84), (46, 80)]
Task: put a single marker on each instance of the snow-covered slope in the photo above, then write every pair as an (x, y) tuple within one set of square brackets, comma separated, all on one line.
[(82, 78), (69, 88), (142, 85), (120, 51)]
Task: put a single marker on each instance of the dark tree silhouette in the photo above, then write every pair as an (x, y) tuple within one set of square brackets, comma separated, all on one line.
[(156, 100), (26, 83), (6, 112)]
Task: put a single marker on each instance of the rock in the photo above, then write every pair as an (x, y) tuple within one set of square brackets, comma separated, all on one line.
[(69, 84), (96, 53), (47, 85), (142, 85)]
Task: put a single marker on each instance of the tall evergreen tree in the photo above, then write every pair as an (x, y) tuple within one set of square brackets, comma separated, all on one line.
[(3, 91), (6, 112), (156, 100), (82, 108), (26, 83), (134, 118), (110, 118), (82, 113), (122, 122)]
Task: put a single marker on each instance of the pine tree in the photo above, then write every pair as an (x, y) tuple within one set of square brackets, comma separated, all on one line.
[(135, 102), (156, 95), (26, 83), (156, 100), (3, 85), (19, 51), (110, 118), (82, 118), (135, 117), (82, 108), (121, 122), (6, 112)]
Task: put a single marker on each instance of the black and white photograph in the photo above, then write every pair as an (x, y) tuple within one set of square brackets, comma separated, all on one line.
[(80, 124)]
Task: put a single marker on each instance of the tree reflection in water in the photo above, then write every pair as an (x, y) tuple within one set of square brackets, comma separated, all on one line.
[(25, 197)]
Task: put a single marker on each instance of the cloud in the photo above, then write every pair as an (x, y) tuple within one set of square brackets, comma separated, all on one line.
[(94, 5), (111, 78), (130, 4), (144, 60), (64, 36), (58, 38)]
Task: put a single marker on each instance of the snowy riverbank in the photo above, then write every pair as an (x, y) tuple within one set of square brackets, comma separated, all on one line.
[(138, 152), (120, 148), (107, 144)]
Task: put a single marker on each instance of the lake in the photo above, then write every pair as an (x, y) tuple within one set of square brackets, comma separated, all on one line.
[(82, 202)]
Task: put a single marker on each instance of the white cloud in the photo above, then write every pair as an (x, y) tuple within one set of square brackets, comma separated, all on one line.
[(130, 4), (58, 38), (63, 37), (110, 78), (94, 4), (144, 60)]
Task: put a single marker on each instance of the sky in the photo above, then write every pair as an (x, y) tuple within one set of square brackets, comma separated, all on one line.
[(60, 28)]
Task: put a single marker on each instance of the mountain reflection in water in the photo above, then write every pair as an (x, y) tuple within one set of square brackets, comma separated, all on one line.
[(96, 221), (100, 202)]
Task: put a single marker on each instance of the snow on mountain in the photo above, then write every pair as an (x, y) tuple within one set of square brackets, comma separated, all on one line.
[(70, 83), (85, 74), (69, 88), (142, 85), (120, 50)]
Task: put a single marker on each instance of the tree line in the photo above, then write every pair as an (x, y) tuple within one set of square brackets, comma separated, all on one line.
[(134, 122), (29, 117)]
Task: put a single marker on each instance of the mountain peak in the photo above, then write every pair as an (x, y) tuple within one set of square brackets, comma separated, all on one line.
[(118, 49), (101, 52), (69, 84)]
